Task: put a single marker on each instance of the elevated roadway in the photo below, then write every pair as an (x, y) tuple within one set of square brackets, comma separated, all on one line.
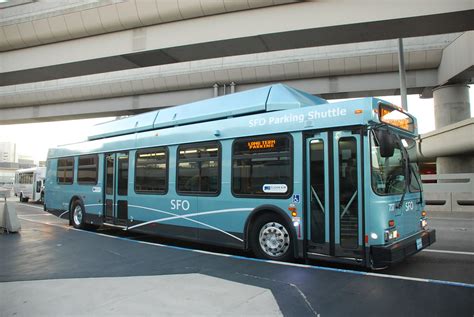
[(109, 57), (119, 39), (337, 71), (456, 138)]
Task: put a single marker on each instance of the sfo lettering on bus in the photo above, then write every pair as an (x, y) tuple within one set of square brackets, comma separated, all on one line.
[(180, 204), (299, 118)]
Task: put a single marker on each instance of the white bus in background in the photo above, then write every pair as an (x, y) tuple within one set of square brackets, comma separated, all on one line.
[(29, 184)]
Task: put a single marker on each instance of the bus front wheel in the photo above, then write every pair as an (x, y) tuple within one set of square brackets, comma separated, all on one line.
[(271, 239)]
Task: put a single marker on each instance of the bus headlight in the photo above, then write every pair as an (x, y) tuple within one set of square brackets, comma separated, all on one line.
[(423, 223), (296, 221)]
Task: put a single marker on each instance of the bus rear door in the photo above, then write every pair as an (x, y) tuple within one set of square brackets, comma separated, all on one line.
[(334, 195), (116, 189)]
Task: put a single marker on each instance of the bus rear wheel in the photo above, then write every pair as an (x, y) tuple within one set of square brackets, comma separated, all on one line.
[(271, 239), (78, 215)]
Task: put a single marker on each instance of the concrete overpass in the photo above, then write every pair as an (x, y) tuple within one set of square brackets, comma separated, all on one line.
[(111, 57), (92, 37), (336, 71)]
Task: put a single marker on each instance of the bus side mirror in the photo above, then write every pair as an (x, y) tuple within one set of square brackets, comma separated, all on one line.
[(38, 186), (386, 142)]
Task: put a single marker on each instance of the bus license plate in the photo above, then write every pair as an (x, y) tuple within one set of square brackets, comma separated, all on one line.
[(419, 244)]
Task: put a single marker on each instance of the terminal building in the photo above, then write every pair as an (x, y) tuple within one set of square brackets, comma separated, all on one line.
[(7, 152), (84, 59), (10, 161)]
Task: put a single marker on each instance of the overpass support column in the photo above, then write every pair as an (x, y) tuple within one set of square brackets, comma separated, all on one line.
[(451, 105)]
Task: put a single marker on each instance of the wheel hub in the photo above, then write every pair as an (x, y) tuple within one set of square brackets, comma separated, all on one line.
[(77, 215), (274, 239)]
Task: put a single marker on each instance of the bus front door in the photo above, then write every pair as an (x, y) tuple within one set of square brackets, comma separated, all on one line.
[(116, 189), (334, 194)]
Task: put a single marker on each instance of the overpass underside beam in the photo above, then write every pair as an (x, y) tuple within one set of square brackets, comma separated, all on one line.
[(326, 87)]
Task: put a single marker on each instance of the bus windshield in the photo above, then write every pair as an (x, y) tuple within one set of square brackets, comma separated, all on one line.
[(388, 173)]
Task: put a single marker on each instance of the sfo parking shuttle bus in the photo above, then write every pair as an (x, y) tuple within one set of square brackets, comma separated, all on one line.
[(274, 170)]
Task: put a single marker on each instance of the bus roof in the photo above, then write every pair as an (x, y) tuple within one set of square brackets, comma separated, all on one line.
[(249, 113), (31, 169), (265, 99)]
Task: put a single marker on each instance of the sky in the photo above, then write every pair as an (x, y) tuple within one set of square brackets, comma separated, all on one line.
[(34, 139)]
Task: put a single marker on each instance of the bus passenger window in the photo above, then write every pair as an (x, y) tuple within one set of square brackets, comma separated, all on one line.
[(261, 166), (26, 178), (122, 177), (198, 169), (87, 169), (65, 171), (151, 171)]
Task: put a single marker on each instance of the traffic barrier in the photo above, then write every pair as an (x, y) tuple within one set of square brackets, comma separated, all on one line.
[(449, 192), (437, 201), (8, 218)]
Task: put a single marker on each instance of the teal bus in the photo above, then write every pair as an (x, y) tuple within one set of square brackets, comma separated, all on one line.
[(273, 170)]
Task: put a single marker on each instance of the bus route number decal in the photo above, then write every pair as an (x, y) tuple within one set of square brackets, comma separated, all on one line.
[(178, 204)]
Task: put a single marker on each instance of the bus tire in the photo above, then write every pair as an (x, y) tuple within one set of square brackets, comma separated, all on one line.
[(78, 215), (23, 199), (270, 238)]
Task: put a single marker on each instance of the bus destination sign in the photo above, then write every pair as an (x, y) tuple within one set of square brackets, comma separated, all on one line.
[(396, 118), (262, 144)]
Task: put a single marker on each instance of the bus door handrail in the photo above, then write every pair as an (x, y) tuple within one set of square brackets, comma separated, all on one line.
[(317, 198), (349, 204)]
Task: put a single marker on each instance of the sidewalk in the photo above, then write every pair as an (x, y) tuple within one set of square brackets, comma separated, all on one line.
[(167, 295)]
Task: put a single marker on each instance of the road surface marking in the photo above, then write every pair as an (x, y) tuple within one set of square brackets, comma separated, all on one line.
[(453, 219), (449, 252), (36, 207)]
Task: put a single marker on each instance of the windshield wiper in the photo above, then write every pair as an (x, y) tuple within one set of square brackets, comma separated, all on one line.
[(406, 164), (412, 172)]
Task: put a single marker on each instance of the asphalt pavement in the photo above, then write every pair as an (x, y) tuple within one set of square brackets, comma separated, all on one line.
[(451, 257), (111, 272)]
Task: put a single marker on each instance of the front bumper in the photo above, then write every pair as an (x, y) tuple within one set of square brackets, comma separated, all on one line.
[(386, 255)]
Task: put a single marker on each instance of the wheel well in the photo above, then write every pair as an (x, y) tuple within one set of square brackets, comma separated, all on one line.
[(263, 210)]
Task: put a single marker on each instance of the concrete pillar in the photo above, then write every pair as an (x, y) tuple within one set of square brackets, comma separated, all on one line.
[(451, 105)]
